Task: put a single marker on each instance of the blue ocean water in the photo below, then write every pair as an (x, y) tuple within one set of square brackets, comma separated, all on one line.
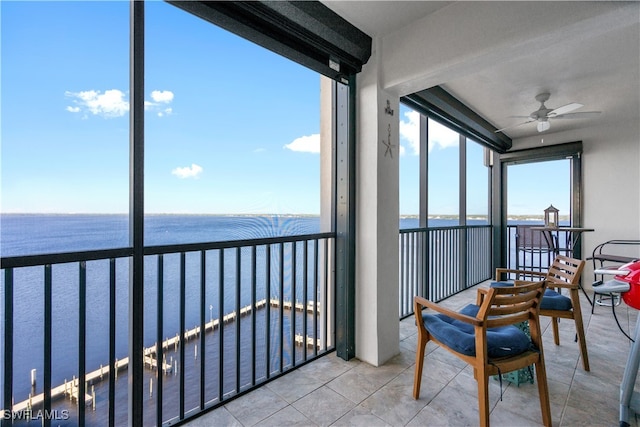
[(29, 234)]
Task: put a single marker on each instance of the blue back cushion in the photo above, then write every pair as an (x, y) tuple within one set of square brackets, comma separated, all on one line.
[(460, 336), (551, 300)]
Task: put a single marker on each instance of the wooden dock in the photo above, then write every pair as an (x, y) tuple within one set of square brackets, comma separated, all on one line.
[(70, 388)]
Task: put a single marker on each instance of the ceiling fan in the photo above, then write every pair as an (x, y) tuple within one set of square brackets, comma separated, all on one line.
[(543, 114)]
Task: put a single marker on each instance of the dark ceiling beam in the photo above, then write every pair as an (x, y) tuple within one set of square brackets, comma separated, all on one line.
[(306, 32), (443, 107)]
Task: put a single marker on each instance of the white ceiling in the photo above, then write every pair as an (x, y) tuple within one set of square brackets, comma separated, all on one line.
[(598, 68)]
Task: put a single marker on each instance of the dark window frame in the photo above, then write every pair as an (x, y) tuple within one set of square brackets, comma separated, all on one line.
[(572, 151)]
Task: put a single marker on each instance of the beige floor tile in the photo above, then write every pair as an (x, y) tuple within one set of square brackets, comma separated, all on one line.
[(510, 416), (218, 417), (287, 416), (294, 387), (394, 402), (324, 406), (360, 417), (455, 407), (256, 406)]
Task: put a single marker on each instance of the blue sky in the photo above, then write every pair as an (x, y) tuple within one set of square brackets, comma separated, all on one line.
[(230, 127)]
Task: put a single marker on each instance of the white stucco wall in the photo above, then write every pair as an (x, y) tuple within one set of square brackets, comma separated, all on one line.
[(377, 219)]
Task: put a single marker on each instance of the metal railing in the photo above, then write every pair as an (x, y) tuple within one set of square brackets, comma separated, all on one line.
[(438, 262), (221, 319)]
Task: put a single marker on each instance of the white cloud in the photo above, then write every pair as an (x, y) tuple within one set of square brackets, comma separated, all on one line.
[(410, 132), (305, 144), (112, 103), (442, 136), (165, 112), (163, 96), (109, 104), (188, 171), (439, 135)]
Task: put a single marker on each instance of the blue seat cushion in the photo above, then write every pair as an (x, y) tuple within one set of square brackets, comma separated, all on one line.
[(551, 300), (460, 336)]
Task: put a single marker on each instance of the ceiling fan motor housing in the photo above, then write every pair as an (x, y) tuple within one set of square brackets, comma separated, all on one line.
[(541, 114)]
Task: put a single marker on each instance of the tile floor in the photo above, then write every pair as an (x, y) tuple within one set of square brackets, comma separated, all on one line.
[(334, 392)]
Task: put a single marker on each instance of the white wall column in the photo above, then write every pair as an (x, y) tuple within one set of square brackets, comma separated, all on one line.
[(377, 218)]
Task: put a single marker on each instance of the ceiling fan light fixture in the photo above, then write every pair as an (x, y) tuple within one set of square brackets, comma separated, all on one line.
[(544, 125)]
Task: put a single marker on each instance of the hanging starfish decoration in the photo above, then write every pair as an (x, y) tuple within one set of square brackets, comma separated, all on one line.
[(388, 144), (388, 109)]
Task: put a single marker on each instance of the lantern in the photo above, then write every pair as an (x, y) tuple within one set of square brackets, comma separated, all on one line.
[(551, 217)]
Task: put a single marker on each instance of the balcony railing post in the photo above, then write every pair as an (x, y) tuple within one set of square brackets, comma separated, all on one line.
[(160, 339), (82, 344), (294, 273), (7, 403), (238, 282), (221, 324), (183, 337), (203, 296), (48, 309)]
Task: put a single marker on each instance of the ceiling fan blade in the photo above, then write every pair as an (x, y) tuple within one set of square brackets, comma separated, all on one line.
[(564, 109), (513, 126), (582, 115)]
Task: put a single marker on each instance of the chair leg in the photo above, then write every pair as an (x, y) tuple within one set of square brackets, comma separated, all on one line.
[(417, 376), (543, 391), (483, 396), (556, 332), (577, 317)]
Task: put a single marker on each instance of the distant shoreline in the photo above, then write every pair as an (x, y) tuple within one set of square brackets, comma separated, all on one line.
[(529, 217)]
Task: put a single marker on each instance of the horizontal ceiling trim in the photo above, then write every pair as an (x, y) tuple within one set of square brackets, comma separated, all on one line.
[(546, 152)]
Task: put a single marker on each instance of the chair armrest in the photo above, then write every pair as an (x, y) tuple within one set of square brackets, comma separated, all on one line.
[(500, 271), (482, 292), (551, 283), (524, 282), (420, 302)]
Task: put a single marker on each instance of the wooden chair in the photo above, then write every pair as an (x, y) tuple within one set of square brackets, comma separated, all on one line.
[(564, 273), (534, 245), (483, 335)]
